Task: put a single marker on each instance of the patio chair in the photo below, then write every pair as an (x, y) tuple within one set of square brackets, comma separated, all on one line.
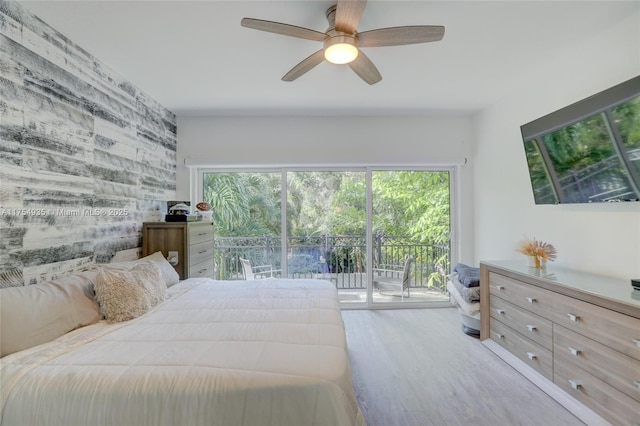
[(257, 272), (396, 278)]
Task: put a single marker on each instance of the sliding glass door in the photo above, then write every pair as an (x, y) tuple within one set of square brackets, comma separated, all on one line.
[(410, 234), (327, 233), (381, 236)]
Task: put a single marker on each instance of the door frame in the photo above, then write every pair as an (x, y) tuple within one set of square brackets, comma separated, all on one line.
[(453, 167)]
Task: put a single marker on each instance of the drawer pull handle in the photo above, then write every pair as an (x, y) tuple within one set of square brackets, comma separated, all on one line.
[(531, 299), (499, 335), (202, 251), (637, 342), (574, 351), (500, 287), (636, 383), (500, 311), (573, 318), (575, 384), (202, 233), (531, 356), (532, 328)]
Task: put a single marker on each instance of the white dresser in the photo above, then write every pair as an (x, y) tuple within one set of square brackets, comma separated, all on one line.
[(575, 335), (193, 241)]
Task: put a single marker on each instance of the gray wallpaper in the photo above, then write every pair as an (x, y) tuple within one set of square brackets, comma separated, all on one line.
[(85, 156)]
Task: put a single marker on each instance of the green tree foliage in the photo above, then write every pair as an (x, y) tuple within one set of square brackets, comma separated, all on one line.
[(412, 203), (406, 203), (244, 204), (578, 146), (627, 117)]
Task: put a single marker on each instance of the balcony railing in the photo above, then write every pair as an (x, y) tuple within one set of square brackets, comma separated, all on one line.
[(338, 258)]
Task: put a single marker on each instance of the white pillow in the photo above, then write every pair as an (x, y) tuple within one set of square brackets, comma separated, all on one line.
[(35, 314), (169, 274), (126, 294)]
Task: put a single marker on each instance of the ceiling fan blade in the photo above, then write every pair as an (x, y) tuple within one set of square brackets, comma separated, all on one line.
[(284, 29), (365, 69), (396, 36), (304, 66), (348, 14)]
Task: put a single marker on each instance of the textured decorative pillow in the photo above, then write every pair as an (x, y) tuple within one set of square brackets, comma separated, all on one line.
[(35, 314), (126, 294), (153, 281), (169, 274)]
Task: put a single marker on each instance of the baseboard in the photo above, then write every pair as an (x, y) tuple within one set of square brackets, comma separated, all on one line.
[(575, 407)]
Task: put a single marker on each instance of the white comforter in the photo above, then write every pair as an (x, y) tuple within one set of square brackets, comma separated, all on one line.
[(270, 352)]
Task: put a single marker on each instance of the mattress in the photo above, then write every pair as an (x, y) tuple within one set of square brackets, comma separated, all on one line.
[(269, 352)]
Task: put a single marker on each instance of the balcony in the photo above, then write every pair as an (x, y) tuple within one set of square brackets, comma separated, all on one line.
[(341, 260)]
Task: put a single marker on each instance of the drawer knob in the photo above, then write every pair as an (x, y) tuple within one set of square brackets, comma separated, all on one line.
[(573, 318), (574, 351), (532, 328), (531, 299), (500, 287), (499, 335), (637, 342), (575, 384), (531, 356), (500, 311), (636, 383)]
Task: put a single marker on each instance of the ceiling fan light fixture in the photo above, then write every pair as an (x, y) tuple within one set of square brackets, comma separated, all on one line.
[(342, 41), (340, 49)]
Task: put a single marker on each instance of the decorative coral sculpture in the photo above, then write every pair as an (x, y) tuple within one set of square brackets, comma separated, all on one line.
[(540, 251)]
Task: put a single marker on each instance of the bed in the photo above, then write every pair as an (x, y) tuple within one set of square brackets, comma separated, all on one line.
[(268, 352)]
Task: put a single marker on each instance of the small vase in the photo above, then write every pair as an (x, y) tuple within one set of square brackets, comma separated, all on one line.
[(536, 262)]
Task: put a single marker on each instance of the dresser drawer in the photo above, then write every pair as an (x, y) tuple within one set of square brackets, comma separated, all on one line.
[(618, 331), (529, 297), (534, 355), (199, 233), (200, 252), (607, 401), (610, 366), (526, 323), (202, 269)]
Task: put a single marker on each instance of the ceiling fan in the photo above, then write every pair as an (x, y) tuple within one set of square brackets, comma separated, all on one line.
[(342, 42)]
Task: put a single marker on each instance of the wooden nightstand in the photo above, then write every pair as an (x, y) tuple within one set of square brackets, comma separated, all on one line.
[(192, 240)]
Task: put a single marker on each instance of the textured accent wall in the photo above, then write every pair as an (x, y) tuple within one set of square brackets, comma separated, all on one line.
[(85, 156)]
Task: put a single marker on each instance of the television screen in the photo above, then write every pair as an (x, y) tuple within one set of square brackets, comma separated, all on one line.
[(587, 152)]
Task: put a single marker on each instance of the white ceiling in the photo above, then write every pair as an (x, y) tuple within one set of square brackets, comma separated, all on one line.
[(196, 59)]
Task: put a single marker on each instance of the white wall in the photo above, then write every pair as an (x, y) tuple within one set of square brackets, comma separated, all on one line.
[(602, 239), (301, 140)]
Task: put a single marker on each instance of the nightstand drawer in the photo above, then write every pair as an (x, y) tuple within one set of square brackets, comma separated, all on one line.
[(529, 297), (200, 252), (618, 331), (200, 232), (610, 403), (610, 366), (528, 324), (528, 351), (203, 269)]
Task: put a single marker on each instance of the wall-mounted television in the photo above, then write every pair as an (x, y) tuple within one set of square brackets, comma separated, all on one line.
[(588, 152)]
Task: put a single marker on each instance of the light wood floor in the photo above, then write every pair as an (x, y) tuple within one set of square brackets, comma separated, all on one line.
[(416, 367)]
